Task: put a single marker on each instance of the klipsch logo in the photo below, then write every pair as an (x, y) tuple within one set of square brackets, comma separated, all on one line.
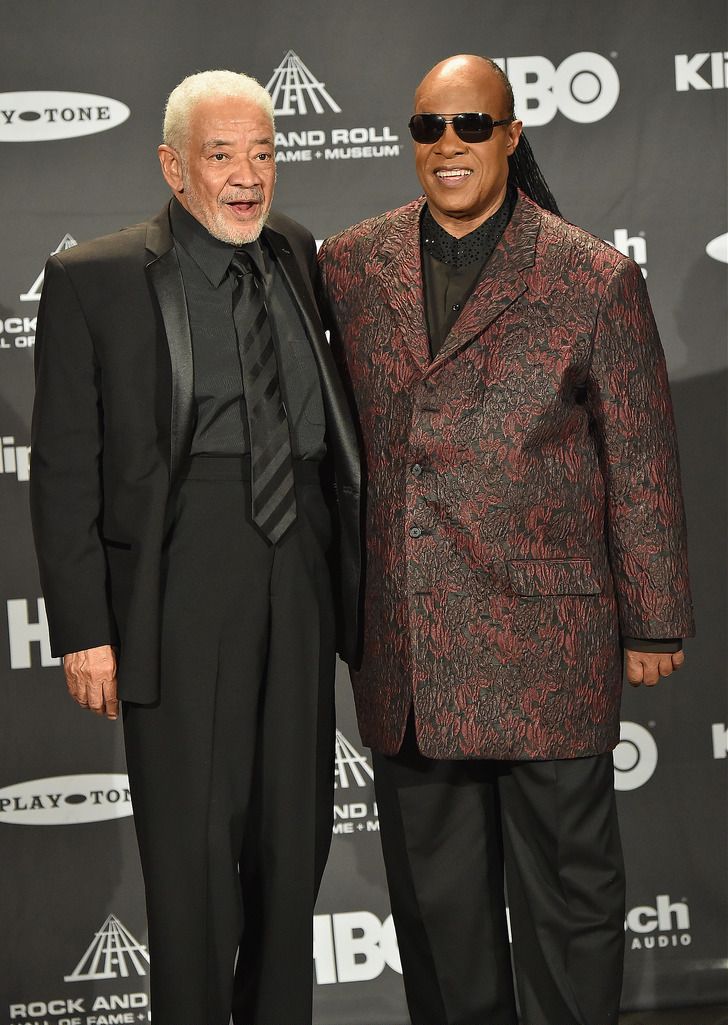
[(294, 89), (701, 71), (38, 116), (14, 459), (635, 757), (584, 87), (33, 293), (66, 800), (667, 924)]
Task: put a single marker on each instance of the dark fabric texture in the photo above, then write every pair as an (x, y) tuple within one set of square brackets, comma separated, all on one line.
[(524, 507), (220, 417), (449, 828), (271, 483), (112, 426), (233, 765)]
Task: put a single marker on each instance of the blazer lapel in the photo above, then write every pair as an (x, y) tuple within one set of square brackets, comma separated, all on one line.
[(400, 279), (299, 283), (501, 282), (166, 280)]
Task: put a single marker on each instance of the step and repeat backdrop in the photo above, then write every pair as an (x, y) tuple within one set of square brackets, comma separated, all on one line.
[(625, 107)]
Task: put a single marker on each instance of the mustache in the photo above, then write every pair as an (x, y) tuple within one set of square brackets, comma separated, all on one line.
[(252, 195)]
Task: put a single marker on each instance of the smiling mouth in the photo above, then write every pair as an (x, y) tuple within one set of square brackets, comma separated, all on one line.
[(243, 207), (453, 174)]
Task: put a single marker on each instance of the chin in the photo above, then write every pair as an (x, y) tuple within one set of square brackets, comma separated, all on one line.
[(237, 234)]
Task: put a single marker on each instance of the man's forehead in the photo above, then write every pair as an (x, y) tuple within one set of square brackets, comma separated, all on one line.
[(215, 117), (458, 87)]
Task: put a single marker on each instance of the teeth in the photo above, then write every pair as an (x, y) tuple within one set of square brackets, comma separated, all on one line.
[(457, 172)]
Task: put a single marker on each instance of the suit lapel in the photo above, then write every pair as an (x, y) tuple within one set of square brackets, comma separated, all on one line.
[(501, 282), (300, 285), (400, 280), (166, 280)]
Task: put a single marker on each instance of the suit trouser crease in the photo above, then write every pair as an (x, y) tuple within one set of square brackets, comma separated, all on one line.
[(449, 830), (230, 771)]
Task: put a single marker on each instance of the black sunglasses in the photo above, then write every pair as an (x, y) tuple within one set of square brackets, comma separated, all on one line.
[(427, 128)]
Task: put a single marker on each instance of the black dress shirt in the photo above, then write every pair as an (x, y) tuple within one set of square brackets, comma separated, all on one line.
[(221, 426), (451, 268)]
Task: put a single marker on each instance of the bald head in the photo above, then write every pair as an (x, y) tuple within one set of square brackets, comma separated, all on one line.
[(463, 73)]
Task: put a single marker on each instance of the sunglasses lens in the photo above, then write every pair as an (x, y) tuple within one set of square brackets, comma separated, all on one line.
[(426, 128), (474, 127)]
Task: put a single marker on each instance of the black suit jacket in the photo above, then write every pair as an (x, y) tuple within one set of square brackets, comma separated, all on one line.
[(112, 424)]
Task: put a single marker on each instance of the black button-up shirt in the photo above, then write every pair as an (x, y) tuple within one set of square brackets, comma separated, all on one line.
[(221, 427)]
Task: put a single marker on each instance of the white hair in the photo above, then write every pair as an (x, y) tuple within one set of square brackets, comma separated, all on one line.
[(207, 85)]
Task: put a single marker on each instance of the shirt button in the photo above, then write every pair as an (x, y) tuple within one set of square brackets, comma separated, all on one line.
[(456, 307), (415, 531), (416, 470)]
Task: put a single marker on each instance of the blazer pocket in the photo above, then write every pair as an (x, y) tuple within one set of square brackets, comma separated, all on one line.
[(537, 577), (121, 546)]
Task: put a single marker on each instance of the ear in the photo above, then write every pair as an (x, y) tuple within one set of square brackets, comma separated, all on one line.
[(513, 131), (171, 163)]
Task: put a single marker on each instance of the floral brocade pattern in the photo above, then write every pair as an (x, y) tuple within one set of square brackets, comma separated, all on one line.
[(523, 492)]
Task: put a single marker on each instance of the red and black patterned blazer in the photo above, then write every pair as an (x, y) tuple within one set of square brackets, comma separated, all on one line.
[(524, 507)]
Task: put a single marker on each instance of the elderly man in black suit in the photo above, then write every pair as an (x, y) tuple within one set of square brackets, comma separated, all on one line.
[(195, 506)]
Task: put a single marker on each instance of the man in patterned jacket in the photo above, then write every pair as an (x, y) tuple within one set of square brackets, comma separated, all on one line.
[(525, 534)]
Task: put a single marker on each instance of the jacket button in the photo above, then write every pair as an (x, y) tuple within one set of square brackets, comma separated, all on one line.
[(415, 531), (416, 470)]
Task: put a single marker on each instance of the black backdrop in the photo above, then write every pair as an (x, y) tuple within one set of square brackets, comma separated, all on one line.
[(625, 106)]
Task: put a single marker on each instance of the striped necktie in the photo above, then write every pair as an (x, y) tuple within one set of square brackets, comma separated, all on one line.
[(271, 482)]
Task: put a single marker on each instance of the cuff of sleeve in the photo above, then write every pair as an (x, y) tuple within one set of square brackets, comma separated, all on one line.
[(666, 646)]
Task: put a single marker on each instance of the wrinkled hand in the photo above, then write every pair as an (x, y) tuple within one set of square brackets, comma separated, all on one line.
[(647, 666), (91, 679)]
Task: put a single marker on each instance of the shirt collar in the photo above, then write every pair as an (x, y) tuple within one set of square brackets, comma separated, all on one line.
[(210, 254), (475, 247)]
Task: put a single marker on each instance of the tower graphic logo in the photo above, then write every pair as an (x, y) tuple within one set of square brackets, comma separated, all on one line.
[(33, 293), (293, 87), (113, 954), (352, 768)]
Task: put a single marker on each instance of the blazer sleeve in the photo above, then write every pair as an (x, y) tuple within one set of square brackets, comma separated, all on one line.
[(65, 488), (632, 411)]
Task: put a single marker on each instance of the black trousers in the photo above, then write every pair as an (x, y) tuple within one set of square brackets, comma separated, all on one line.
[(231, 771), (449, 829)]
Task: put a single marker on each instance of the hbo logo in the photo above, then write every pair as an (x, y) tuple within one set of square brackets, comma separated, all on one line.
[(635, 757), (584, 87)]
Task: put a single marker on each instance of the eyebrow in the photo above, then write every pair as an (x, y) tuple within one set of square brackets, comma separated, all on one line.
[(214, 143)]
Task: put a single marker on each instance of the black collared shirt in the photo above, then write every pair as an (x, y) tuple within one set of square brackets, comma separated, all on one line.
[(451, 267), (221, 426)]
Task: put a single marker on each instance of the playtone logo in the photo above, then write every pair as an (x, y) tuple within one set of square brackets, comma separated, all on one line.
[(39, 116), (353, 947), (667, 924), (701, 71), (717, 248), (584, 87), (66, 800)]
